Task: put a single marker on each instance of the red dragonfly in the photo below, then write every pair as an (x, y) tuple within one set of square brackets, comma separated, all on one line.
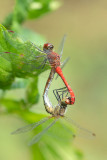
[(27, 58)]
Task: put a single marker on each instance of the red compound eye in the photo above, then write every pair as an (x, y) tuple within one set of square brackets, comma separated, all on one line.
[(70, 100), (48, 46)]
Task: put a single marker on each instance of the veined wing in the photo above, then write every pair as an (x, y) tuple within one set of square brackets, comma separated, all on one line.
[(30, 126), (39, 135), (80, 131), (60, 50)]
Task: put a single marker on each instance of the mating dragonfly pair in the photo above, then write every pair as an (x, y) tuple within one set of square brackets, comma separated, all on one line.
[(58, 113), (63, 100)]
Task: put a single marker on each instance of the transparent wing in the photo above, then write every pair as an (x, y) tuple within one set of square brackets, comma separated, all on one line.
[(60, 50), (39, 135), (80, 131), (30, 126), (65, 62)]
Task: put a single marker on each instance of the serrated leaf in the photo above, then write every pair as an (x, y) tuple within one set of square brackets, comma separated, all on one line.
[(21, 58)]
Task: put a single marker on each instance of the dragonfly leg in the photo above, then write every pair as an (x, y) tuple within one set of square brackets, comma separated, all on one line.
[(59, 93), (37, 48), (43, 64), (55, 92)]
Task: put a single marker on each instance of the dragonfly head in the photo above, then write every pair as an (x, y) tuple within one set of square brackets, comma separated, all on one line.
[(48, 47), (67, 101), (70, 100)]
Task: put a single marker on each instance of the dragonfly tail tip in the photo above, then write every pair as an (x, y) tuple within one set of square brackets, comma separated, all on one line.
[(12, 133)]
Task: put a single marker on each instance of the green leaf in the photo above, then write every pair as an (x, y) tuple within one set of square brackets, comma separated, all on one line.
[(12, 106), (32, 9), (40, 7), (32, 94), (19, 83), (23, 59)]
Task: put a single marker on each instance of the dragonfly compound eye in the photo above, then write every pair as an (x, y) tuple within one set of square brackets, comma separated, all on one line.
[(48, 46), (68, 100)]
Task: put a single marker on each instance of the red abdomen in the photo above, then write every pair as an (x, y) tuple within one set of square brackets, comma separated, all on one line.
[(71, 99)]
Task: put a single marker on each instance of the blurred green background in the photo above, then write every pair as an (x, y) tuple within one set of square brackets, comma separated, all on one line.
[(85, 23)]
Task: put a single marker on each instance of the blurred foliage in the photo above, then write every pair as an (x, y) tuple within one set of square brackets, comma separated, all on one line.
[(14, 74), (29, 9)]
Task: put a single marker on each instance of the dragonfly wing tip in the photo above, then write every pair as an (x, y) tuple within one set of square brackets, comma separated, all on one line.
[(94, 134), (12, 133)]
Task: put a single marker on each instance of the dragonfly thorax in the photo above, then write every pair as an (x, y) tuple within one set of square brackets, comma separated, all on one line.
[(53, 58), (59, 110)]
